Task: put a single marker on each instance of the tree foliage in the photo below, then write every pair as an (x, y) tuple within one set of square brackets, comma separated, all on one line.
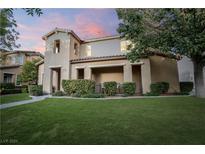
[(174, 31), (8, 33), (29, 73), (179, 31)]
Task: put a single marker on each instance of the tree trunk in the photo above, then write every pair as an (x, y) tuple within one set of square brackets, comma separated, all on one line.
[(199, 80)]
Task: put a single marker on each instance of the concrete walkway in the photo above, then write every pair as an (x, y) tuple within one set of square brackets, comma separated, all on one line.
[(34, 99)]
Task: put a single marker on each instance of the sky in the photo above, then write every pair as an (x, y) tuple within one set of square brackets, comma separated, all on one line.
[(86, 23)]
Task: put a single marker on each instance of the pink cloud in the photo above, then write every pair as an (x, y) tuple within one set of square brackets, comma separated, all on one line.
[(85, 24)]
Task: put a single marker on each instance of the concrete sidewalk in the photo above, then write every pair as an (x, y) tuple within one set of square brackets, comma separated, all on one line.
[(34, 99)]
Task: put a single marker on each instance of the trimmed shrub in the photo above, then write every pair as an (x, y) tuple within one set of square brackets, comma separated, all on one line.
[(77, 94), (36, 90), (165, 87), (58, 93), (93, 95), (186, 87), (129, 88), (24, 89), (110, 88), (7, 86), (159, 88), (80, 86)]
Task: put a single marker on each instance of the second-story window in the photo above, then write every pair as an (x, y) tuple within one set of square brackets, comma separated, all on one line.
[(56, 46), (75, 48)]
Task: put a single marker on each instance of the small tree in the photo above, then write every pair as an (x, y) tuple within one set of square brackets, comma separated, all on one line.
[(29, 73)]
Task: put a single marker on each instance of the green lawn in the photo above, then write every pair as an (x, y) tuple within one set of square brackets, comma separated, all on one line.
[(14, 98), (135, 121)]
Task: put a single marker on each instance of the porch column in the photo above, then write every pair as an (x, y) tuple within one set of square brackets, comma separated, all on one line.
[(127, 72), (146, 76), (87, 73), (47, 79)]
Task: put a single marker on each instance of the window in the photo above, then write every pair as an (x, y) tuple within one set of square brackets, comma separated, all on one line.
[(75, 48), (124, 45), (57, 46), (8, 78), (88, 50), (80, 73)]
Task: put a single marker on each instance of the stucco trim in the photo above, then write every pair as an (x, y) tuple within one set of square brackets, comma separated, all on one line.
[(79, 67), (9, 66), (137, 63), (106, 65), (55, 66)]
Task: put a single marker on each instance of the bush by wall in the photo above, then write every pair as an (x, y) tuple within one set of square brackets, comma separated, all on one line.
[(110, 88), (7, 85), (9, 91), (36, 90), (165, 87), (9, 88), (186, 87), (80, 86), (129, 88), (159, 88), (58, 93)]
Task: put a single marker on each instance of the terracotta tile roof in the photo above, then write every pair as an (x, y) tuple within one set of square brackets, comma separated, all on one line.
[(100, 58)]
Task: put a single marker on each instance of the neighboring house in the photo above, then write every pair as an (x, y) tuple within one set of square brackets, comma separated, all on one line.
[(101, 59), (186, 70), (11, 64)]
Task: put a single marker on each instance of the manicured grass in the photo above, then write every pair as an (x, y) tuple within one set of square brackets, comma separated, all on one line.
[(135, 121), (14, 98)]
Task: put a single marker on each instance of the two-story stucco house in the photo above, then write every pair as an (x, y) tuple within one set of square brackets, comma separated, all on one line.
[(101, 59), (12, 61)]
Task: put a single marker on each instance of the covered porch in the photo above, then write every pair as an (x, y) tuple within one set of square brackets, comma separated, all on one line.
[(120, 72)]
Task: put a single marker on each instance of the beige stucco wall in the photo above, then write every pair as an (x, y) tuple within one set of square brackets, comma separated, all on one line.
[(40, 74), (15, 71), (101, 75), (165, 69), (102, 48), (73, 40), (53, 60)]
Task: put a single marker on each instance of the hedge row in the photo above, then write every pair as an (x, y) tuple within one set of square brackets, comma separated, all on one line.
[(80, 86)]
